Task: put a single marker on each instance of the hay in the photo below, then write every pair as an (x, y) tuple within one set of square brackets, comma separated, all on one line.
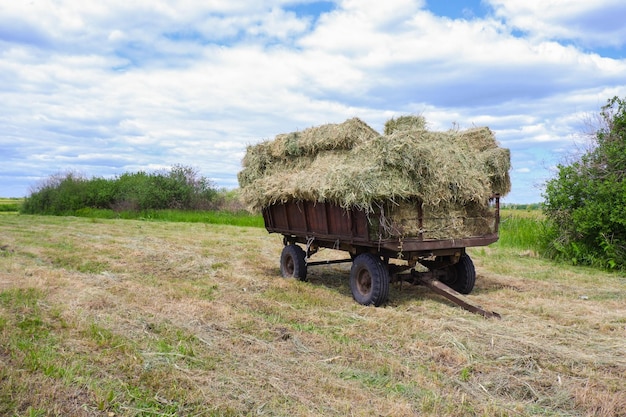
[(452, 174), (405, 123), (478, 138), (311, 141), (294, 151), (437, 222)]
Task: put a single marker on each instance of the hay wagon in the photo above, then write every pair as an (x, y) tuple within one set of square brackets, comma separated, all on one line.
[(392, 244), (405, 205)]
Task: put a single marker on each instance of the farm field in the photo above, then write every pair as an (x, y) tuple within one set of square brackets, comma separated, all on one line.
[(9, 204), (143, 318)]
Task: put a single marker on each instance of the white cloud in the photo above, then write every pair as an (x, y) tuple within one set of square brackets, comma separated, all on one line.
[(109, 87), (279, 24), (591, 23)]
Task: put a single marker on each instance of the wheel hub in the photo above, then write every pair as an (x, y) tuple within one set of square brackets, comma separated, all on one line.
[(364, 282)]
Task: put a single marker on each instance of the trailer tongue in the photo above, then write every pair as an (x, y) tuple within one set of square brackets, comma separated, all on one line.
[(457, 298)]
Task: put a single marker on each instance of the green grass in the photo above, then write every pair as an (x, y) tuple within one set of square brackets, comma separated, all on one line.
[(241, 218), (10, 205), (521, 230)]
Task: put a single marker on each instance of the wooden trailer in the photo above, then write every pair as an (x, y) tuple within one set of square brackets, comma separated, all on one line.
[(382, 250)]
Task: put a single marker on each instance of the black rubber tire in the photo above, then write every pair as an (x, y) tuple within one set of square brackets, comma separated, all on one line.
[(369, 280), (461, 276), (293, 262)]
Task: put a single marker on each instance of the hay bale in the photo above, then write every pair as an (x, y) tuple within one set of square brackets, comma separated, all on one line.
[(458, 220), (413, 218), (450, 174), (479, 138), (405, 123), (496, 163), (328, 137), (293, 151)]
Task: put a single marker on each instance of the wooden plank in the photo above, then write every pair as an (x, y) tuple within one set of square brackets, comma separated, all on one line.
[(317, 222)]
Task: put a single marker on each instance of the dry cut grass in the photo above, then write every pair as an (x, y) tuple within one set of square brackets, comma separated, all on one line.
[(131, 318), (350, 165)]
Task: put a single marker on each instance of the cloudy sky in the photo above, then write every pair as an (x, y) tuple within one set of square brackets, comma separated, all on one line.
[(107, 87)]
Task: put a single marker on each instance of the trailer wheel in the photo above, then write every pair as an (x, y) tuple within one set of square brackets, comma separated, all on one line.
[(293, 262), (369, 280), (461, 276)]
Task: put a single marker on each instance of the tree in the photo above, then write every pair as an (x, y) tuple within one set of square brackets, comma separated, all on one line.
[(586, 202)]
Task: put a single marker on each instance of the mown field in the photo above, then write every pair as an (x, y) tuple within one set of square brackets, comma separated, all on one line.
[(113, 317)]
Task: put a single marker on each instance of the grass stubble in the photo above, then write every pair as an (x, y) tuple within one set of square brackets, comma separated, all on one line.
[(130, 318)]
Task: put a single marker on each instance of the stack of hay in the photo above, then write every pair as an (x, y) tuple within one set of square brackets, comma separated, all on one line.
[(450, 175)]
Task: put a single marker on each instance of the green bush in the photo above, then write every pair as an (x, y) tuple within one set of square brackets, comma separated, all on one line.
[(57, 195), (179, 188), (586, 203)]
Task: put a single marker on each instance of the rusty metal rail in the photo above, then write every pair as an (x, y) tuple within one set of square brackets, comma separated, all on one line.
[(328, 262)]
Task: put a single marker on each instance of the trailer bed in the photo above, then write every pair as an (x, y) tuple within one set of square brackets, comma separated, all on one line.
[(329, 225)]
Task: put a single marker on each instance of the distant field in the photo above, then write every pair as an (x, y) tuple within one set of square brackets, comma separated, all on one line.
[(8, 205), (521, 229), (134, 318)]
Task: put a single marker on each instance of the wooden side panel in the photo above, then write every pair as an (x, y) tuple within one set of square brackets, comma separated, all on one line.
[(296, 217), (339, 221), (276, 217), (316, 217), (360, 224)]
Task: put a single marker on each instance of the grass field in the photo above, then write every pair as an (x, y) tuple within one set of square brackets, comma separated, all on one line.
[(120, 317), (241, 218), (8, 205), (521, 229)]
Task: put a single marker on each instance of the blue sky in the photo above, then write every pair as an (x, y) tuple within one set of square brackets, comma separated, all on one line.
[(470, 9), (104, 88)]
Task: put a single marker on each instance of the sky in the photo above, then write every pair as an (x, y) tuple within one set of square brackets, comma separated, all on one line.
[(106, 88)]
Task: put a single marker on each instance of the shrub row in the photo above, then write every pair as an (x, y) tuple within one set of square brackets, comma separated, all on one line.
[(179, 188)]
